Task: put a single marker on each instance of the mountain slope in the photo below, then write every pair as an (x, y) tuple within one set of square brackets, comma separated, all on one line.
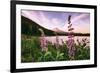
[(28, 27)]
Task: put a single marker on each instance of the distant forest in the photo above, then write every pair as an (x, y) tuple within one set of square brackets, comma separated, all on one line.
[(28, 27)]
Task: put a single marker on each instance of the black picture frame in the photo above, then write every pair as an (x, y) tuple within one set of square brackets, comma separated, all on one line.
[(13, 35)]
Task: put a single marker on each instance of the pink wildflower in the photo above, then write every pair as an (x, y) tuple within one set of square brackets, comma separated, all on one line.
[(70, 42), (43, 41), (57, 42)]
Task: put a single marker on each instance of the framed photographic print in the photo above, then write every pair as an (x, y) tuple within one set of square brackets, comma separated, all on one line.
[(52, 36)]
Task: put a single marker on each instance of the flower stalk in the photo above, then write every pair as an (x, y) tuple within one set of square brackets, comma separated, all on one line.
[(70, 41), (43, 41)]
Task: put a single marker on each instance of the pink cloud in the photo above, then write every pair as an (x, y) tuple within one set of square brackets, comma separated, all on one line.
[(79, 17)]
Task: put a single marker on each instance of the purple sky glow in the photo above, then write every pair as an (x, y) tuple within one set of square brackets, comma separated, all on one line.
[(59, 20)]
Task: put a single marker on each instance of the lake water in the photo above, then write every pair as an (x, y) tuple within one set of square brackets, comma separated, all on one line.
[(65, 38)]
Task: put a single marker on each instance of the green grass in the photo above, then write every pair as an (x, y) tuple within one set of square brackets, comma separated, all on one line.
[(31, 52)]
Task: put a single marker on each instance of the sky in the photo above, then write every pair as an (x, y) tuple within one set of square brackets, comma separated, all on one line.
[(55, 21)]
